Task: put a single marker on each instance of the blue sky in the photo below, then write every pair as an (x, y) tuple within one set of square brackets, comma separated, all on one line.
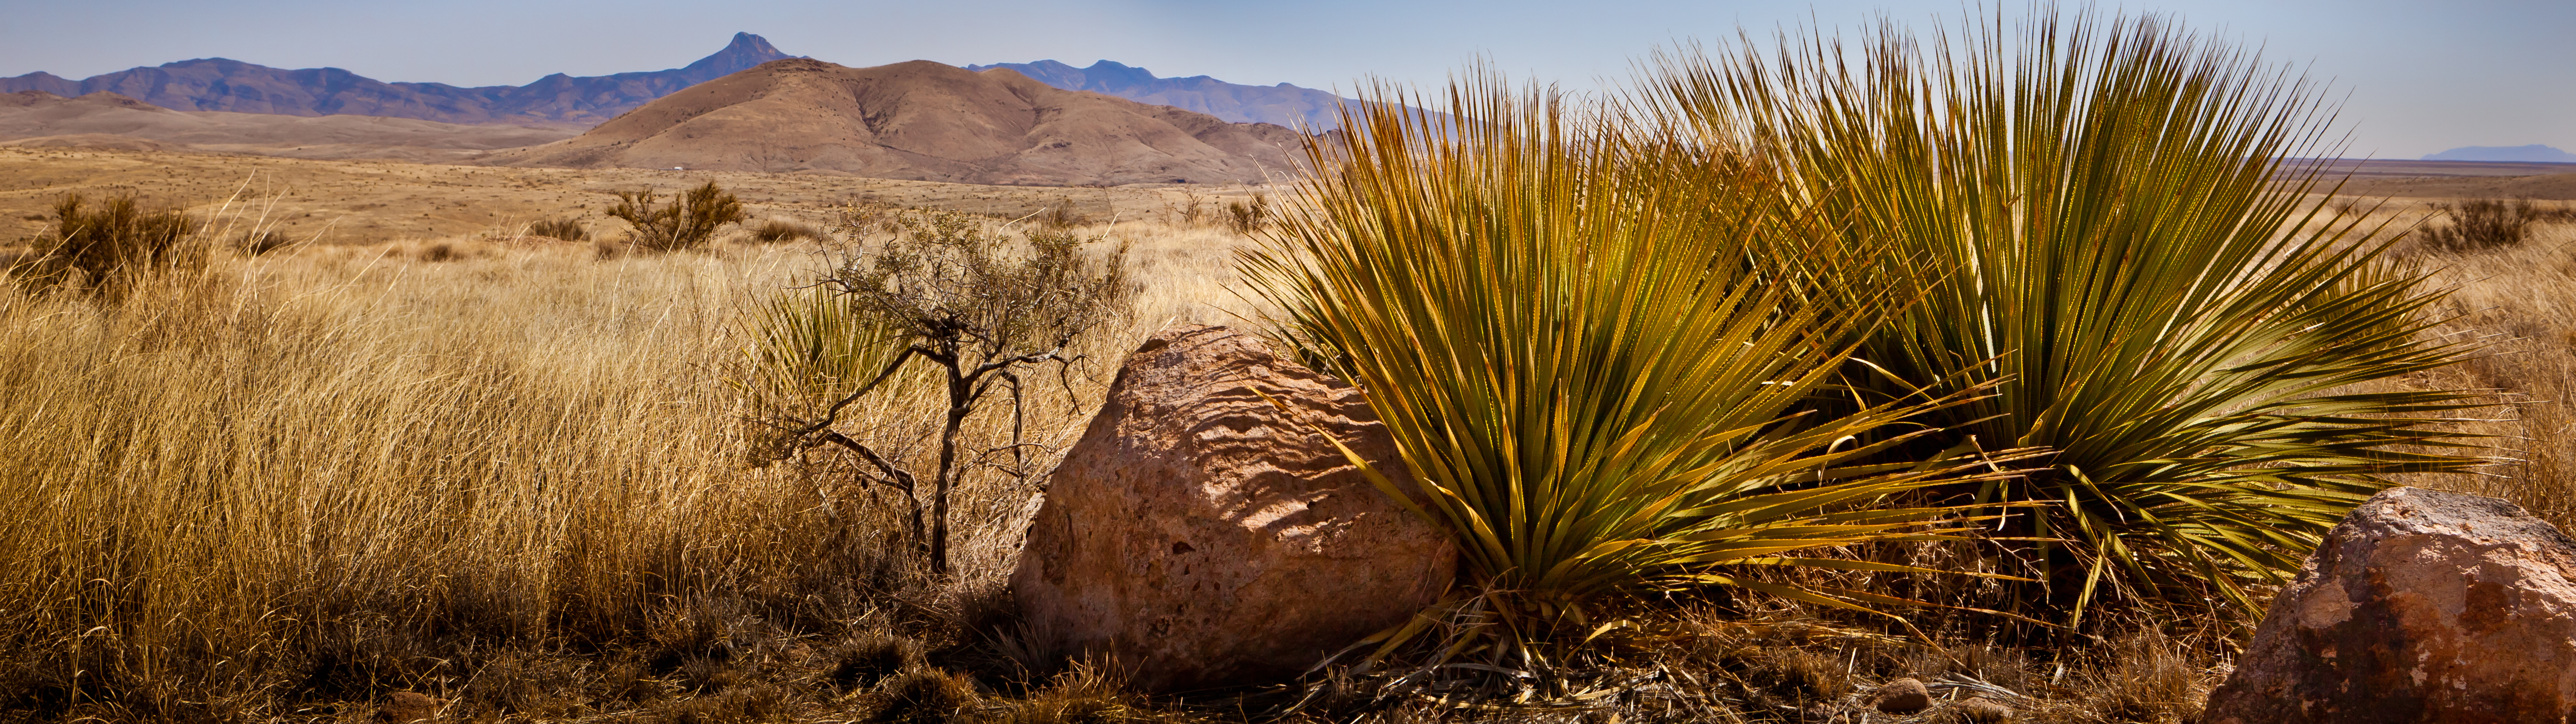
[(2413, 77)]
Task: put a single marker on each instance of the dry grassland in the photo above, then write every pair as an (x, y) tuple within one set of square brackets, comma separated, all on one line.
[(360, 202), (519, 479)]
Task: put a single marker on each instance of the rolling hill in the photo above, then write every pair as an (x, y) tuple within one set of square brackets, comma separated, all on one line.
[(924, 121)]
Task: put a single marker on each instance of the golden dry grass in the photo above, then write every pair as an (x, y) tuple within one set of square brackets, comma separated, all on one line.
[(513, 475), (340, 464)]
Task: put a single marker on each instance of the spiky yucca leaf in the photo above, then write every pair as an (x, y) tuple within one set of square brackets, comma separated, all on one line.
[(2132, 267), (1591, 346), (810, 346)]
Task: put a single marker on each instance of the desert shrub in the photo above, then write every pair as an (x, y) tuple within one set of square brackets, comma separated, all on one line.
[(262, 241), (688, 221), (2124, 268), (1245, 217), (976, 307), (1062, 216), (1575, 333), (565, 229), (780, 230), (2484, 224), (106, 245)]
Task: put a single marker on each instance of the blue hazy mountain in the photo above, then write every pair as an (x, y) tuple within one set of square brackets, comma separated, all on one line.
[(219, 84), (2533, 152), (1282, 104)]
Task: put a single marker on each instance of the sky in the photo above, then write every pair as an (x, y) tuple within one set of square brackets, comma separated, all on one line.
[(2412, 77)]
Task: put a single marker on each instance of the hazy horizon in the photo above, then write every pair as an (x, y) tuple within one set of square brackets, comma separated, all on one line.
[(2412, 79)]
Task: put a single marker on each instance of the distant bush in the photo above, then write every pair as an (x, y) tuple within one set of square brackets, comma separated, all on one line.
[(2483, 224), (105, 245), (1246, 218), (777, 231), (261, 242), (687, 222), (1063, 216), (565, 229)]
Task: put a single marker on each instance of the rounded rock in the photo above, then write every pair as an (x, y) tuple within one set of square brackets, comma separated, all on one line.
[(1197, 535), (1902, 696)]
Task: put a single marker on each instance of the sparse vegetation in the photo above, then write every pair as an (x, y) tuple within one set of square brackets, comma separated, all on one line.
[(2485, 224), (689, 221)]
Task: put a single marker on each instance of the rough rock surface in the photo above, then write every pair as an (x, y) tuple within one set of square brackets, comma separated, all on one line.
[(1195, 537), (405, 707), (1902, 696), (2422, 606)]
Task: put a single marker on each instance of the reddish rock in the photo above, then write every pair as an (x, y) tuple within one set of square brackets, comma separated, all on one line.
[(2422, 606), (1902, 696), (1196, 536), (404, 707)]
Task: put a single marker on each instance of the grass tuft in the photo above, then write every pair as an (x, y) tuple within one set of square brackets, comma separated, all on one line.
[(775, 231), (926, 696), (862, 662)]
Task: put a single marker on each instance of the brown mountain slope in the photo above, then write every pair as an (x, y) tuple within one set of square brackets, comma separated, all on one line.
[(98, 120), (922, 121)]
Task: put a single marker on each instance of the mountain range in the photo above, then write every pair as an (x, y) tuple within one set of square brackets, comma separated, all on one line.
[(2533, 152), (219, 84), (1282, 104), (559, 100), (920, 120)]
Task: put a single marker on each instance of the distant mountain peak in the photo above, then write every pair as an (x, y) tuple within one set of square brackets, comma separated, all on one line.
[(743, 53), (2531, 153), (1282, 104)]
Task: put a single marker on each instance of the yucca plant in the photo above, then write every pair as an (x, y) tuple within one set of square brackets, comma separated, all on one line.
[(1595, 350), (2132, 268)]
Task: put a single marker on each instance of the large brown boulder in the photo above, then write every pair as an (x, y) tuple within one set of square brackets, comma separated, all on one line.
[(2422, 606), (1196, 536)]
